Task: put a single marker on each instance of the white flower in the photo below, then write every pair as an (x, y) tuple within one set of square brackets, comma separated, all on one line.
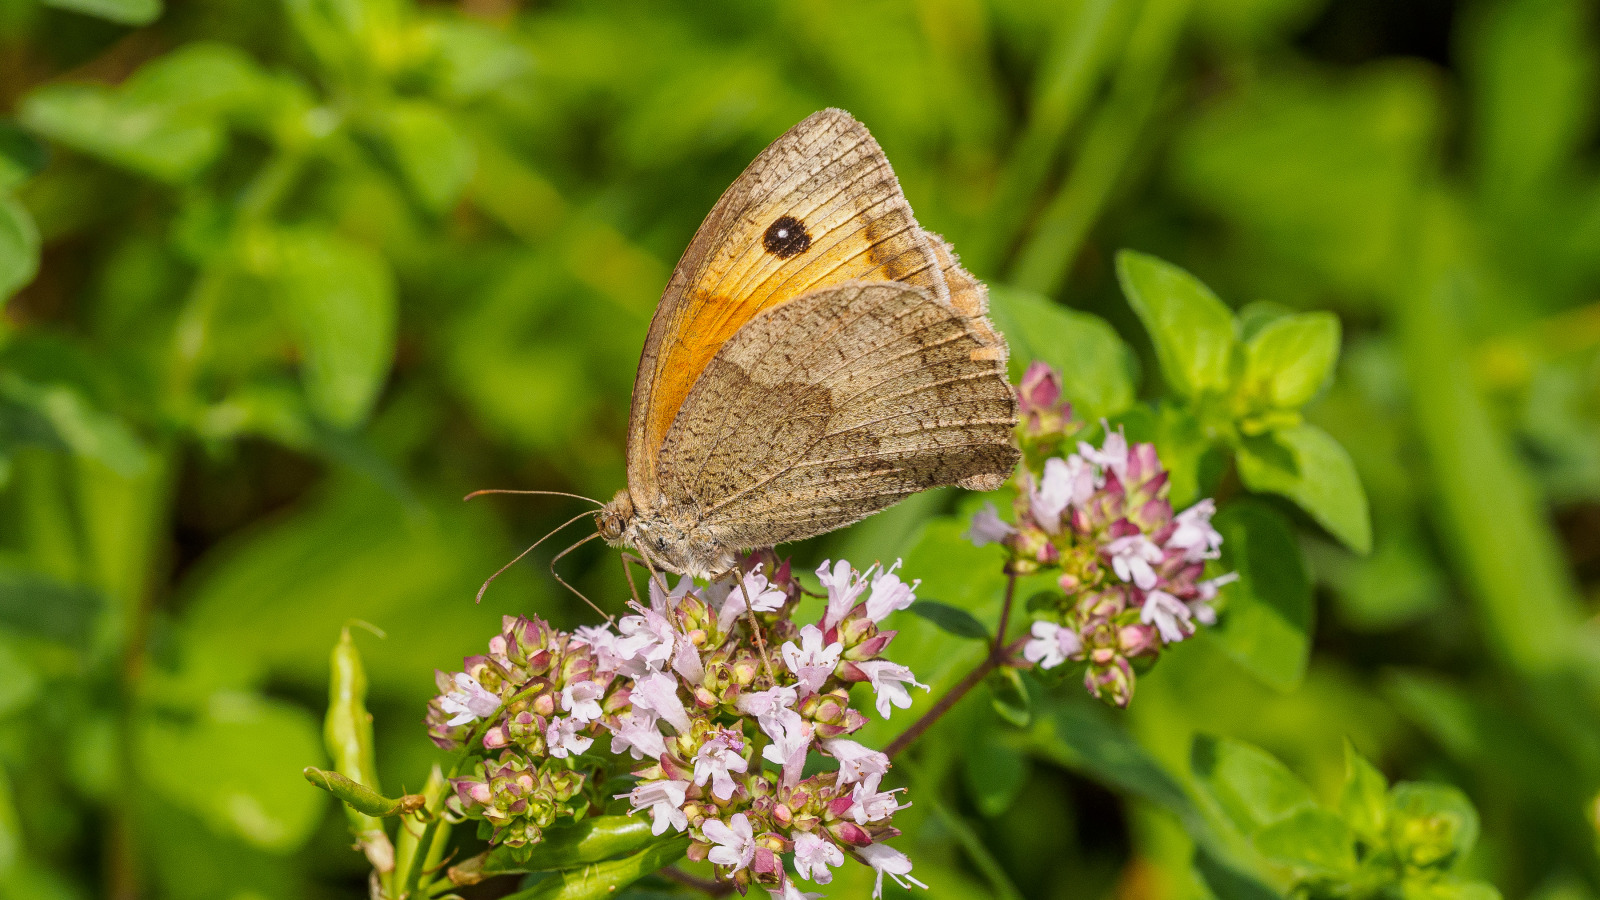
[(1203, 610), (844, 586), (856, 761), (603, 642), (716, 758), (664, 799), (1065, 482), (646, 643), (1131, 557), (889, 593), (469, 701), (987, 527), (563, 739), (637, 733), (887, 860), (736, 845), (868, 804), (811, 662), (1114, 455), (1170, 615), (1194, 534), (773, 709), (762, 595), (789, 746), (663, 601), (813, 855), (686, 662), (582, 699), (658, 693), (1051, 644), (889, 681)]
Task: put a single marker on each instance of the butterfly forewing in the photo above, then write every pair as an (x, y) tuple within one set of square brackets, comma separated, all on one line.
[(818, 208)]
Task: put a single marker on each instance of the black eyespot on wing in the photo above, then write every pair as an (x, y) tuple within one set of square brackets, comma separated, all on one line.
[(786, 237)]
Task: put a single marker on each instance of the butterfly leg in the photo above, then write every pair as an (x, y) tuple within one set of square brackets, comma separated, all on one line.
[(755, 627)]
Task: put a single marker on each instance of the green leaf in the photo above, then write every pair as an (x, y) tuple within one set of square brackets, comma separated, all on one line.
[(564, 846), (10, 829), (1252, 789), (339, 298), (1290, 359), (1364, 800), (35, 604), (1192, 330), (22, 156), (202, 81), (139, 136), (1098, 372), (1081, 735), (1446, 887), (950, 619), (994, 770), (1431, 825), (58, 416), (123, 12), (433, 153), (1313, 841), (1011, 699), (601, 881), (1306, 465), (236, 765), (19, 247), (1265, 622)]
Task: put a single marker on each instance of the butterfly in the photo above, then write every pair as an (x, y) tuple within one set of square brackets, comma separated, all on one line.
[(815, 358)]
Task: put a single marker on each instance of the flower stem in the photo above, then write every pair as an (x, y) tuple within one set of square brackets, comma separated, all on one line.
[(704, 885), (999, 654)]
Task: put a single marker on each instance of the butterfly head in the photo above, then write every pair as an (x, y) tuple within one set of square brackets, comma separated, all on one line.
[(615, 517)]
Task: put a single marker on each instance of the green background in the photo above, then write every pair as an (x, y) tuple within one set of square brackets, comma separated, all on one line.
[(292, 277)]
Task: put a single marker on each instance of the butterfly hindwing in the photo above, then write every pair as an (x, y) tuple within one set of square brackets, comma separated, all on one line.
[(833, 406)]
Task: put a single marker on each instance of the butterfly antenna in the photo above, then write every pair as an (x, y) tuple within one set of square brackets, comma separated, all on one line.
[(539, 493), (557, 576), (519, 557)]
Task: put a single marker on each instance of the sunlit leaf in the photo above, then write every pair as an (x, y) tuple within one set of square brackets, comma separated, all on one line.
[(19, 247), (236, 765), (1250, 787), (1290, 359), (432, 152), (1193, 331), (1312, 841), (1306, 465), (1364, 800), (146, 138)]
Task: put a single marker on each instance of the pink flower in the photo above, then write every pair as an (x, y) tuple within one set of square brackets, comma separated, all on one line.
[(813, 854), (716, 759), (791, 891), (773, 709), (1051, 645), (811, 662), (582, 700), (762, 596), (889, 682), (1194, 534), (888, 861), (663, 601), (646, 643), (664, 799), (659, 694), (844, 586), (1170, 615), (988, 528), (563, 739), (1113, 457), (889, 594), (1131, 559), (856, 762), (736, 844), (789, 746), (469, 701), (637, 734), (868, 804)]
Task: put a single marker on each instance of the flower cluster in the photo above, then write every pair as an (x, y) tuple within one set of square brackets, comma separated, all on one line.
[(721, 699), (537, 699), (1131, 571)]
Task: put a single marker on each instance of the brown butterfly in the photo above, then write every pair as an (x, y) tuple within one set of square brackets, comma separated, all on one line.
[(816, 357)]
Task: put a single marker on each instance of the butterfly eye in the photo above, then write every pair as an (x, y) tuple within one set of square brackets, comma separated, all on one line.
[(786, 237)]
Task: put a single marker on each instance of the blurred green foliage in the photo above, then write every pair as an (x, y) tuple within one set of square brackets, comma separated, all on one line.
[(287, 279)]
